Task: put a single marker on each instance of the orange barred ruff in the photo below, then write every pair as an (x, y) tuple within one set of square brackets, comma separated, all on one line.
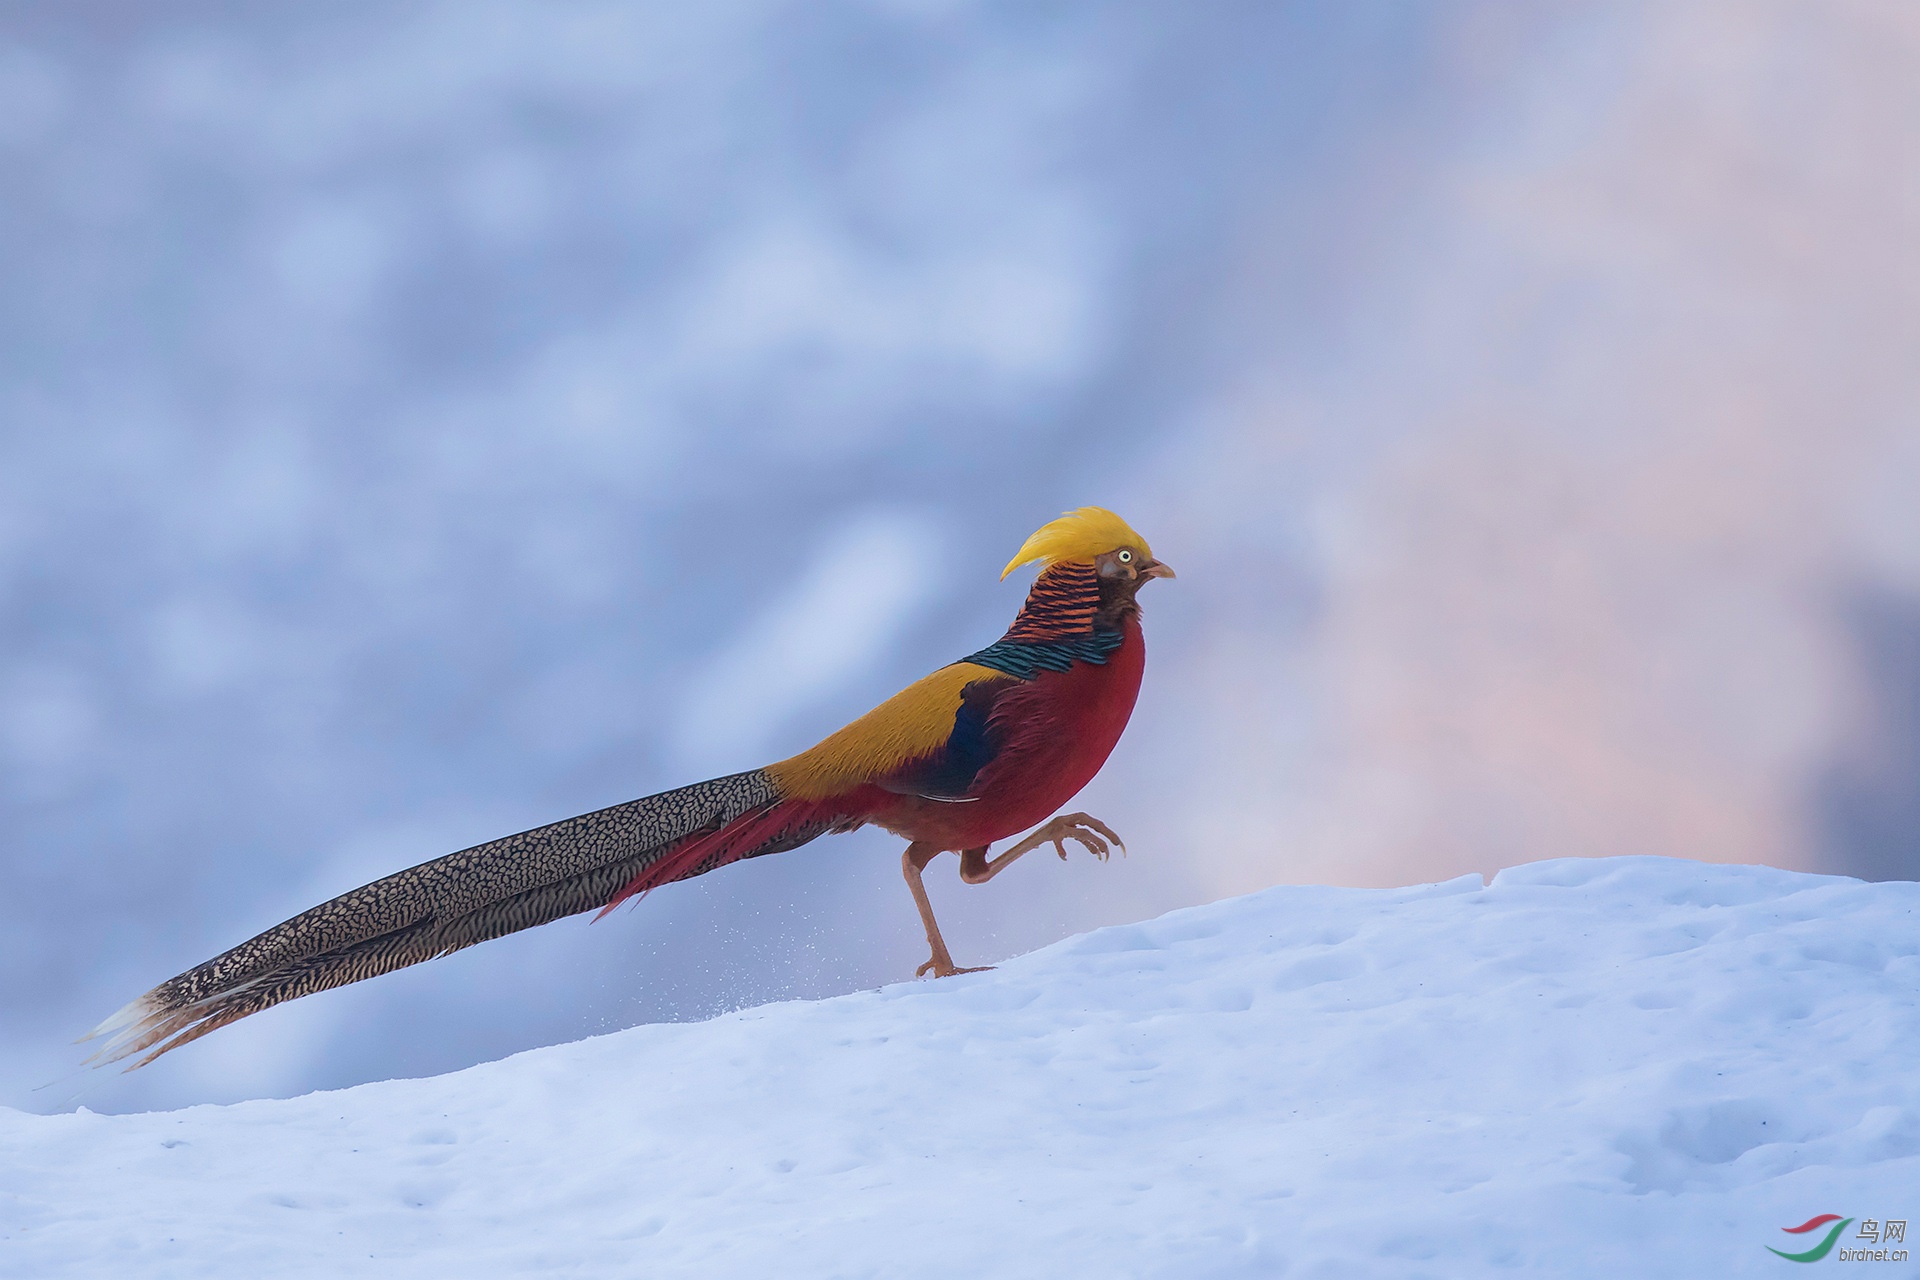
[(1060, 606)]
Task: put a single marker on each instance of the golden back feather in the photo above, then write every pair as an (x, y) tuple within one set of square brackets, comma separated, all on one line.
[(1077, 536), (913, 723)]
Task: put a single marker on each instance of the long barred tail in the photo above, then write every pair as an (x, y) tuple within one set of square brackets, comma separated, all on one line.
[(595, 860)]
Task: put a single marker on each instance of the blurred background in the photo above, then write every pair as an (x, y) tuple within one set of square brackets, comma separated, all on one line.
[(420, 422)]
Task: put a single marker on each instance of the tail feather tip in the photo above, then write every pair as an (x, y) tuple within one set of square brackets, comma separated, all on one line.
[(121, 1028)]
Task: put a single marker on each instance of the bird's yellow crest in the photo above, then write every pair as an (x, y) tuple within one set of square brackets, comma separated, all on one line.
[(1077, 535)]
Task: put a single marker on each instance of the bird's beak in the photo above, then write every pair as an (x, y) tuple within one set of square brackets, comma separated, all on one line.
[(1154, 569)]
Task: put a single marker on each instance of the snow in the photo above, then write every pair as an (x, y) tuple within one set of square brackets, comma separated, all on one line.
[(1608, 1067)]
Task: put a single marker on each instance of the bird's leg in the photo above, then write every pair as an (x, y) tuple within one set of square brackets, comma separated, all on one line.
[(1081, 828), (912, 863)]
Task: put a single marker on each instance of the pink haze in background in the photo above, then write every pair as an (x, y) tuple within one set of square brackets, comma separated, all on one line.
[(1610, 484)]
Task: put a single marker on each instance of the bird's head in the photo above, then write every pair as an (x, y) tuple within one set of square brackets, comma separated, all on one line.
[(1096, 536)]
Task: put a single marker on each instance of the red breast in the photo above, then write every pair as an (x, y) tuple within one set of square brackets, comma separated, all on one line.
[(1055, 732)]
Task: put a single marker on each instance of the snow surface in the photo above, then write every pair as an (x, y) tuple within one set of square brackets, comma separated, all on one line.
[(1607, 1068)]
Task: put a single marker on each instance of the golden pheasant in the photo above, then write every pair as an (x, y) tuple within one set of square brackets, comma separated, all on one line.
[(976, 752)]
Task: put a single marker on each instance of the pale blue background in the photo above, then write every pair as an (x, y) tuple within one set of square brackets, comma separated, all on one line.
[(420, 422)]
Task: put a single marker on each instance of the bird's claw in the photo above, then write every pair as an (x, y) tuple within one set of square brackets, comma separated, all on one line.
[(946, 970), (1086, 830)]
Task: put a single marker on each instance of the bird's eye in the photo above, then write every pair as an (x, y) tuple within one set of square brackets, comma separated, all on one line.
[(1126, 557)]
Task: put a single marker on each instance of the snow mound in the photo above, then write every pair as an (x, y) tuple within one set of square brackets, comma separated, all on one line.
[(1613, 1067)]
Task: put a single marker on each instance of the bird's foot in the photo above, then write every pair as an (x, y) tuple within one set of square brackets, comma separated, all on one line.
[(1081, 828), (946, 969)]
